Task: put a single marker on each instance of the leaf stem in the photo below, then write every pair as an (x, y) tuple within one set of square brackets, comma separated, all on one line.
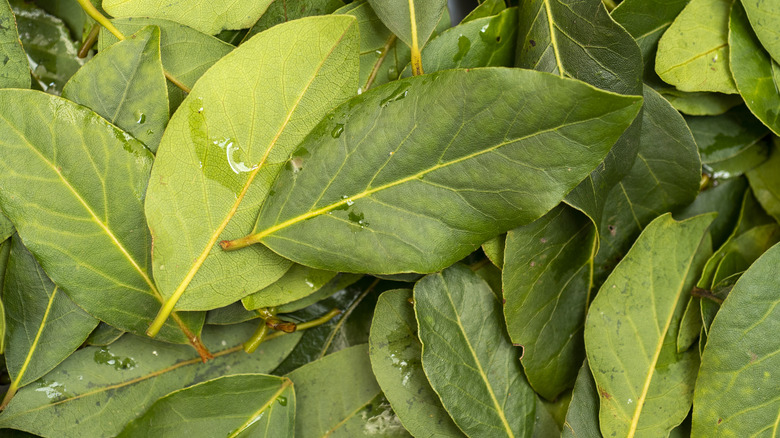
[(311, 324), (379, 62), (90, 41), (609, 4), (251, 345)]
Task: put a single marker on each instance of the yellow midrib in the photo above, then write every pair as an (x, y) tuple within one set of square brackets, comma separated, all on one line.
[(34, 344), (553, 40), (215, 236), (287, 383), (413, 22)]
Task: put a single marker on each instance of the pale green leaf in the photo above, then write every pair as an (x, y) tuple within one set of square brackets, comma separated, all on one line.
[(245, 405), (395, 355), (390, 206), (693, 53), (737, 389), (413, 21), (546, 286), (700, 103), (645, 387), (224, 147), (186, 53), (73, 185), (282, 11), (206, 16), (764, 16), (296, 284), (125, 84), (5, 251), (6, 228), (756, 74), (43, 325), (467, 357), (765, 182), (494, 250), (97, 390), (16, 70), (487, 8)]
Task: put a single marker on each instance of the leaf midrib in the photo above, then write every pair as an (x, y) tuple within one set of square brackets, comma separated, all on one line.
[(254, 416), (36, 340)]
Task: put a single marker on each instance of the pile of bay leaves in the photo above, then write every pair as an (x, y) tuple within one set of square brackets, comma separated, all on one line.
[(310, 218)]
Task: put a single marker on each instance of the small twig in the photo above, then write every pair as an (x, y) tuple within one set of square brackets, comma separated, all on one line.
[(90, 41), (704, 293)]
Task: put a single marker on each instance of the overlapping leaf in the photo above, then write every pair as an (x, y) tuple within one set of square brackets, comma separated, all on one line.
[(389, 206), (462, 335), (644, 386), (223, 148), (75, 193), (282, 11), (764, 17), (204, 15), (297, 283), (16, 71), (582, 417), (125, 84), (255, 405), (765, 182)]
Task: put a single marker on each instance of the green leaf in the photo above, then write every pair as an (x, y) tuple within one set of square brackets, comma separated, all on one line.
[(343, 218), (665, 177), (765, 182), (282, 11), (395, 355), (43, 325), (5, 251), (16, 70), (241, 405), (736, 392), (6, 228), (700, 103), (232, 314), (78, 206), (645, 387), (729, 144), (764, 18), (725, 198), (487, 8), (582, 417), (333, 392), (206, 16), (186, 53), (550, 416), (125, 84), (226, 144), (97, 390), (462, 335), (756, 74), (579, 39), (296, 284), (693, 53), (49, 48), (482, 42), (494, 250), (104, 335), (547, 287)]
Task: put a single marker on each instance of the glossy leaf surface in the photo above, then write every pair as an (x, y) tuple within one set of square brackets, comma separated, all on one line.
[(756, 74), (395, 353), (546, 285), (106, 387), (765, 182), (185, 52), (206, 16), (693, 53), (764, 18), (125, 85), (223, 148), (254, 405), (736, 394), (84, 224), (645, 387), (462, 335), (16, 70), (379, 198)]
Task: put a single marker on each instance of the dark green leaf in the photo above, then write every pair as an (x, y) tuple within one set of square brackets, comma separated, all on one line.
[(765, 182), (462, 336), (282, 11), (78, 206), (376, 212), (725, 198), (395, 355), (16, 70), (104, 335), (97, 390), (254, 405), (125, 84), (645, 387), (582, 418)]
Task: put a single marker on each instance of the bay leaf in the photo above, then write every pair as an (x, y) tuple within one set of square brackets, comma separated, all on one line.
[(467, 357), (296, 284), (395, 354), (693, 53), (6, 228), (185, 52), (86, 229), (494, 250), (582, 417), (206, 16), (16, 70), (5, 251), (104, 335), (547, 285), (764, 18), (255, 405), (644, 386), (126, 85), (725, 198), (233, 143), (486, 8), (756, 74), (282, 11), (765, 182), (700, 103), (389, 206), (736, 391), (97, 390), (43, 326)]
